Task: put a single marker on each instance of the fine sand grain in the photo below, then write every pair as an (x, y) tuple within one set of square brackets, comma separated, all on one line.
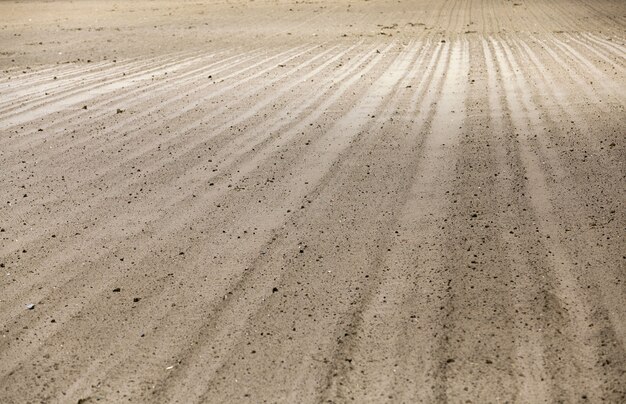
[(325, 201)]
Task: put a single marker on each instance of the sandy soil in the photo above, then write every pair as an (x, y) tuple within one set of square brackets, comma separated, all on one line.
[(338, 201)]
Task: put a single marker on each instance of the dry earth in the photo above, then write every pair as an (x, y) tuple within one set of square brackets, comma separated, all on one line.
[(338, 201)]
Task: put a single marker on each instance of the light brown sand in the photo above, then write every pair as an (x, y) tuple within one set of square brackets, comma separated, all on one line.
[(338, 201)]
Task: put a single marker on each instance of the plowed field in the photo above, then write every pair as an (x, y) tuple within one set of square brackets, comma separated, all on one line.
[(326, 201)]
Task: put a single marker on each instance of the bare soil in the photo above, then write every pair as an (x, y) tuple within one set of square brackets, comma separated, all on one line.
[(325, 201)]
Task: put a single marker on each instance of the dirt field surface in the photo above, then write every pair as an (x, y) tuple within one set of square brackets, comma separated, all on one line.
[(313, 201)]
